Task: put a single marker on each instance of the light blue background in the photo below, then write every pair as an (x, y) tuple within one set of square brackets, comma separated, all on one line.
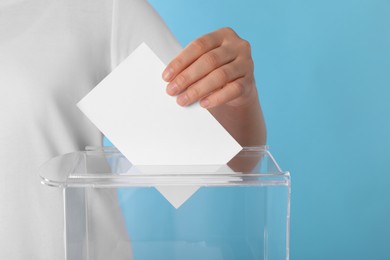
[(323, 73)]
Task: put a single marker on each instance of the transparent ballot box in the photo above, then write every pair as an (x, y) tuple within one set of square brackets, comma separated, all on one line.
[(115, 210)]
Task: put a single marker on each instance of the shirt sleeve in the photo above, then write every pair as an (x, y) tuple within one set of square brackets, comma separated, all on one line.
[(134, 22)]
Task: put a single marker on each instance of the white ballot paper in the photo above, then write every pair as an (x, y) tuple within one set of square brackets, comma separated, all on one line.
[(132, 109)]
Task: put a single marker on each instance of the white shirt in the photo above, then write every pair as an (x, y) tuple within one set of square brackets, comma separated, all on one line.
[(52, 53)]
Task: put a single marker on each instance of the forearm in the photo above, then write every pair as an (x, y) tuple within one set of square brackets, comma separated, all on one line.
[(245, 123)]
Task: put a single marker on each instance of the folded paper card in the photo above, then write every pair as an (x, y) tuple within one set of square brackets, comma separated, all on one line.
[(131, 108)]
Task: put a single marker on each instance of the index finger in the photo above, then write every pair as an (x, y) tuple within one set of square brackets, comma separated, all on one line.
[(191, 53)]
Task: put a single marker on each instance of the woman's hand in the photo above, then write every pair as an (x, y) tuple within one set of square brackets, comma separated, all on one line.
[(216, 69)]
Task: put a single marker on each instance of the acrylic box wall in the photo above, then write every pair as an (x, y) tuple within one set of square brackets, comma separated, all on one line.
[(113, 210)]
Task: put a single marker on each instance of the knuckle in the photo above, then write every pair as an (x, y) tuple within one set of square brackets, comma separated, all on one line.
[(212, 59), (177, 64), (245, 49), (245, 45), (222, 76), (200, 44), (218, 100), (238, 88), (193, 94), (229, 31), (251, 65), (181, 80)]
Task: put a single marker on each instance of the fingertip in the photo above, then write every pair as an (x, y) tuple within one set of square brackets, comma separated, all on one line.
[(167, 74), (172, 89), (182, 100)]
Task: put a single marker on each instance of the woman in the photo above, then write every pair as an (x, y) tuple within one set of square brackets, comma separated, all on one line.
[(54, 52)]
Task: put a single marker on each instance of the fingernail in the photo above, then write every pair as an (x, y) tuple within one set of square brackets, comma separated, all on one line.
[(205, 103), (172, 89), (167, 74), (182, 100)]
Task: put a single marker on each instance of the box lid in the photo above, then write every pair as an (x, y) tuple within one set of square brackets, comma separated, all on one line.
[(100, 167)]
